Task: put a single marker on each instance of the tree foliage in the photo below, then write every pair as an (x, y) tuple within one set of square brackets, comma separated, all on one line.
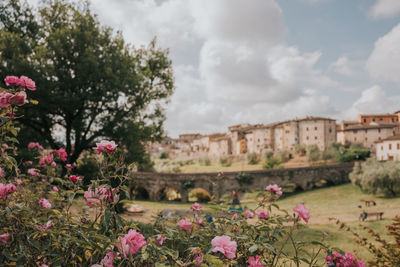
[(92, 84), (375, 177)]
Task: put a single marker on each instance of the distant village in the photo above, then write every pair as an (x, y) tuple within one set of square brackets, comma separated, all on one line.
[(378, 132)]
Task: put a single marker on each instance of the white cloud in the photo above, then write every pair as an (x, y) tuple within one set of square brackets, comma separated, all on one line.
[(383, 63), (342, 66), (385, 9), (372, 100)]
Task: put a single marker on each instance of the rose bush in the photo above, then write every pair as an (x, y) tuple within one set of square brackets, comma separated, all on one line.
[(41, 226)]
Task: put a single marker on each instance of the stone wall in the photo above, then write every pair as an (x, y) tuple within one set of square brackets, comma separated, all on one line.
[(304, 178)]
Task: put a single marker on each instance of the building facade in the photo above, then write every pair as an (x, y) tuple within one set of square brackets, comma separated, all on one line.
[(388, 149)]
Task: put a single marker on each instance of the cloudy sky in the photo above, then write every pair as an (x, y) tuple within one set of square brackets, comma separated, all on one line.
[(262, 61)]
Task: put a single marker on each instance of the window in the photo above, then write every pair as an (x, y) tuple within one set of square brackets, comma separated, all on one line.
[(366, 138), (379, 130), (315, 138), (355, 139), (373, 119), (307, 138), (330, 130), (390, 146), (381, 147), (365, 120), (380, 119), (398, 146), (307, 129), (316, 128)]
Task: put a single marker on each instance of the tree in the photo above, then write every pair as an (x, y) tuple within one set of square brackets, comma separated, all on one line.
[(91, 84)]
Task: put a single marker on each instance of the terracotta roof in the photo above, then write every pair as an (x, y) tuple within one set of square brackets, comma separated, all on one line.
[(370, 126), (390, 138), (377, 115)]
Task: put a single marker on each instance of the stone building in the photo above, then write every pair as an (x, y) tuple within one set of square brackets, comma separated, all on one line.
[(388, 148), (306, 131), (366, 134), (220, 146)]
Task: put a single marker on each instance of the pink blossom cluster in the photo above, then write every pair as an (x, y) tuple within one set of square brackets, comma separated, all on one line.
[(47, 160), (21, 81), (74, 178), (198, 256), (32, 145), (105, 146), (45, 203), (130, 243), (70, 166), (7, 99), (6, 190), (33, 172), (196, 207), (4, 237), (225, 245), (47, 225), (303, 212), (160, 239), (249, 214), (95, 198), (62, 154), (262, 214), (346, 260), (185, 224), (274, 189), (19, 98), (255, 261)]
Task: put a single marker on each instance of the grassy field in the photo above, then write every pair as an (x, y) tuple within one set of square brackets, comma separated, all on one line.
[(195, 166)]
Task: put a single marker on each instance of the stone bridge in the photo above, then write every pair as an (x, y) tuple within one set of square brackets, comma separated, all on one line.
[(153, 185)]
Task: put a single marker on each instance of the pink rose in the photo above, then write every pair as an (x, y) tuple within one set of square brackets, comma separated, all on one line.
[(18, 181), (28, 83), (185, 224), (6, 190), (47, 225), (160, 240), (249, 214), (274, 189), (107, 261), (4, 145), (33, 172), (28, 162), (5, 99), (200, 221), (262, 214), (105, 146), (74, 178), (12, 80), (62, 154), (255, 261), (130, 243), (224, 245), (55, 189), (100, 194), (198, 256), (32, 145), (45, 203), (303, 212), (196, 207), (18, 99), (4, 237)]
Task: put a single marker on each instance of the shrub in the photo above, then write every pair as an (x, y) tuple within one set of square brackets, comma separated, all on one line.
[(282, 155), (163, 155), (300, 149), (350, 154), (225, 162), (205, 161), (199, 195), (375, 177), (331, 151), (268, 154), (313, 153), (271, 163), (39, 225), (252, 158)]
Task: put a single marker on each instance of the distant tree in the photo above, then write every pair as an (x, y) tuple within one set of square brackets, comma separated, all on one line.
[(252, 158), (313, 153), (90, 84), (282, 155)]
